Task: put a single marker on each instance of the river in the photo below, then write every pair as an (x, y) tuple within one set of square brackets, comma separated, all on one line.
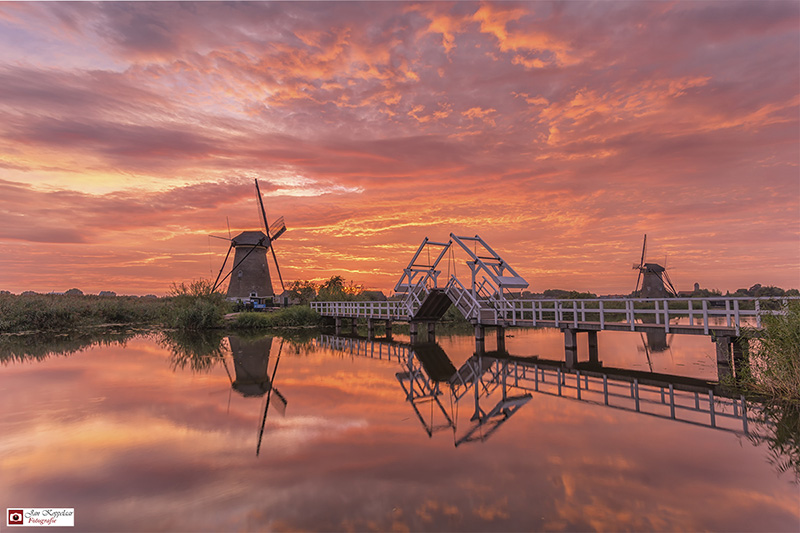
[(163, 432)]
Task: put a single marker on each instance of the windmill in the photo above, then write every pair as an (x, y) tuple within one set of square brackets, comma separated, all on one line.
[(655, 282), (250, 277)]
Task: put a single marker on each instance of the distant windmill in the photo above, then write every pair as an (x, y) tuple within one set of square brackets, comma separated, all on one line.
[(250, 277), (655, 282)]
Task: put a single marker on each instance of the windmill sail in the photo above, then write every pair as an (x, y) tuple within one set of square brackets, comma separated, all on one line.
[(270, 239)]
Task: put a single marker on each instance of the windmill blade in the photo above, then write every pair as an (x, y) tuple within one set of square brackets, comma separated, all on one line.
[(229, 227), (281, 405), (647, 352), (644, 250), (266, 229), (668, 284), (220, 238), (216, 281), (269, 395), (638, 279)]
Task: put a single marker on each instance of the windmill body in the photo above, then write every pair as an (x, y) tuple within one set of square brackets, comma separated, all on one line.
[(250, 279), (655, 282)]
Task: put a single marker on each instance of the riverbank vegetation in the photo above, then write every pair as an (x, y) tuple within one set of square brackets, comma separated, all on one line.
[(54, 312), (191, 306), (773, 368)]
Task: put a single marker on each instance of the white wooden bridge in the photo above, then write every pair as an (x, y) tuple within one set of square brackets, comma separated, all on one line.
[(491, 298)]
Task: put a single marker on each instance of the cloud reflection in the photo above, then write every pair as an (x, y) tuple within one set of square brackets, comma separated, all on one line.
[(135, 443)]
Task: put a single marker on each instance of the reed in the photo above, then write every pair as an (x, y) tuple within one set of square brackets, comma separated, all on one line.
[(774, 362), (54, 312)]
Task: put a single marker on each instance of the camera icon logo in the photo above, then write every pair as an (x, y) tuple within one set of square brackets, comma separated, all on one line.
[(14, 517)]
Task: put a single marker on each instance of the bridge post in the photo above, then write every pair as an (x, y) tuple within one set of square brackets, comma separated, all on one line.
[(431, 331), (480, 333), (723, 356), (354, 326), (338, 325), (593, 355), (413, 331), (501, 339), (741, 348), (570, 346), (389, 329), (370, 328)]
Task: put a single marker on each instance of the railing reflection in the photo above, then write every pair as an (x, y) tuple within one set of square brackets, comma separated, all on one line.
[(499, 384)]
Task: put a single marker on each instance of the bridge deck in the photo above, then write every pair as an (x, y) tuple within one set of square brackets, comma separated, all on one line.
[(685, 316)]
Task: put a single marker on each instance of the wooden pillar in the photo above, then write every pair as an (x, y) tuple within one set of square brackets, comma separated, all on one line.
[(501, 339), (740, 359), (388, 329), (370, 328), (593, 355), (723, 350), (480, 333), (338, 325), (724, 367), (413, 328), (570, 346), (431, 331)]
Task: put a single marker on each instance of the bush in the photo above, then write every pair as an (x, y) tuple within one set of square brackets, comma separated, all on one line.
[(197, 306)]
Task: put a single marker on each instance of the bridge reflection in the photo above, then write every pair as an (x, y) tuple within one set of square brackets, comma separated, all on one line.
[(496, 385)]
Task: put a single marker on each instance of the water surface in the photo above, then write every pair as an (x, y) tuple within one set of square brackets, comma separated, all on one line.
[(154, 433)]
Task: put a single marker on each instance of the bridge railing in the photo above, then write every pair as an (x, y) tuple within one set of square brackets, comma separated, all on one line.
[(417, 293), (385, 310), (462, 298), (701, 314), (729, 312)]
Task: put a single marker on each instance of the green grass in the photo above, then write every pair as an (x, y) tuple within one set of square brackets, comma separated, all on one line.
[(289, 317)]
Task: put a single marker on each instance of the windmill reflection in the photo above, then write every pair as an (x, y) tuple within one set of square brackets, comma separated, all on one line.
[(654, 342), (497, 385), (251, 376)]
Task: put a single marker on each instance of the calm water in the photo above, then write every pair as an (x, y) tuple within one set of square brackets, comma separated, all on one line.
[(149, 433)]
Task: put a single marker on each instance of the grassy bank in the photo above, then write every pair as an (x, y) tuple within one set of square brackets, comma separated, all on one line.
[(289, 317), (191, 306), (58, 312), (773, 368)]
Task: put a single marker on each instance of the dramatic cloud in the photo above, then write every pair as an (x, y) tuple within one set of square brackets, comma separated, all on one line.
[(560, 132)]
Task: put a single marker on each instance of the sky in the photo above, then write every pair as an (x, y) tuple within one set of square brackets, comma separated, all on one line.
[(560, 133)]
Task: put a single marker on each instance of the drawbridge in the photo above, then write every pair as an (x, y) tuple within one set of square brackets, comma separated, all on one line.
[(490, 295), (426, 298)]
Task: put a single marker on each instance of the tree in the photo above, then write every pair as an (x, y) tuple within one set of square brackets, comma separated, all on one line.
[(303, 291), (334, 289)]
